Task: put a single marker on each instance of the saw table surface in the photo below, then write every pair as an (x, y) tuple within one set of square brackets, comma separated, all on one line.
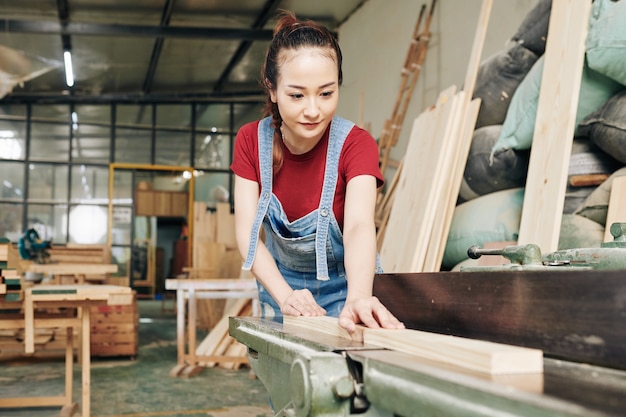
[(302, 368)]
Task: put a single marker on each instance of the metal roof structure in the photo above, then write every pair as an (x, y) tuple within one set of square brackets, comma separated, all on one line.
[(143, 50)]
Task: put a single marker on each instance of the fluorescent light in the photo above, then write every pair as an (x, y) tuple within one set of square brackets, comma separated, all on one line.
[(69, 71)]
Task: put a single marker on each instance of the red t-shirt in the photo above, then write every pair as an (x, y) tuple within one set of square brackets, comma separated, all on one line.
[(298, 184)]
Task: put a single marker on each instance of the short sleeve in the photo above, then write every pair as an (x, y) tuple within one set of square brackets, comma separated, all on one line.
[(245, 154)]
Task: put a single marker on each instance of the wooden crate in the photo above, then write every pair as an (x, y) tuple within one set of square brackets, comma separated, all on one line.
[(114, 330)]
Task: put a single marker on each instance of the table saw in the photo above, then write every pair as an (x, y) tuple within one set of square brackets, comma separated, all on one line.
[(573, 311)]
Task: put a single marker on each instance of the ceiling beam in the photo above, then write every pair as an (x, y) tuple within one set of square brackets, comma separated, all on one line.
[(266, 13), (63, 12), (96, 29), (250, 96), (158, 46)]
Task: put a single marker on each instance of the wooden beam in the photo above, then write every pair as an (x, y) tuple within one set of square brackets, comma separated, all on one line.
[(459, 143), (476, 355), (410, 219), (550, 153)]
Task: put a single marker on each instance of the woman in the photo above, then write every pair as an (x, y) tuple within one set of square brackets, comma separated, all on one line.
[(310, 179)]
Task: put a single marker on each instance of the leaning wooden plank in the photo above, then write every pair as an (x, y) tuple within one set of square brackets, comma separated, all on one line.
[(410, 211), (546, 182), (617, 206), (225, 221), (215, 336), (450, 188), (477, 355), (439, 176), (460, 145)]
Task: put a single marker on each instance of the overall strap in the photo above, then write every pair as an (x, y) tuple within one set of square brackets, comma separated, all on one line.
[(339, 130), (265, 138)]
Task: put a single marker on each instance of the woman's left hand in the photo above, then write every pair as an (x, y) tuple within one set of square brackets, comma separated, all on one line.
[(370, 312)]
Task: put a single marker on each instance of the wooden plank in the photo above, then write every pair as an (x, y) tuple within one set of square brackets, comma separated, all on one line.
[(218, 332), (72, 269), (411, 215), (460, 145), (324, 324), (550, 153), (450, 185), (476, 355), (485, 357), (617, 206), (225, 225), (4, 252)]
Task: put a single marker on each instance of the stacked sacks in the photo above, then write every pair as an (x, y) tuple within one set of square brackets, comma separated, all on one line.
[(606, 127), (486, 173), (499, 75), (586, 159), (596, 204), (519, 125), (498, 158), (606, 41), (496, 218), (498, 78)]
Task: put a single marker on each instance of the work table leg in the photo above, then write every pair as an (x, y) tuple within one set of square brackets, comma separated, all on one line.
[(29, 323), (86, 361), (191, 327)]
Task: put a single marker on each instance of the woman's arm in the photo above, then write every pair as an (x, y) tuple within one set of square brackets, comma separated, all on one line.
[(359, 237), (264, 267)]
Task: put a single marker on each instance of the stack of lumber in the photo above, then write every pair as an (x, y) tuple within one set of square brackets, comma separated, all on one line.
[(221, 349), (85, 255), (426, 190), (114, 330), (50, 342), (214, 255), (11, 288)]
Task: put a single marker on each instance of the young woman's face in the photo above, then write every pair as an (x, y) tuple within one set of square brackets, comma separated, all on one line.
[(307, 92)]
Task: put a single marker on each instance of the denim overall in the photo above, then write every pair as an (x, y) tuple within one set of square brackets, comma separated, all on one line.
[(309, 250)]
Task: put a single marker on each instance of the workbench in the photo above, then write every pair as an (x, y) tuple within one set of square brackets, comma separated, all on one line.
[(78, 297), (188, 291)]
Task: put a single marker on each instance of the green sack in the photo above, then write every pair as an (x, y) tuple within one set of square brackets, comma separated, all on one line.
[(606, 40)]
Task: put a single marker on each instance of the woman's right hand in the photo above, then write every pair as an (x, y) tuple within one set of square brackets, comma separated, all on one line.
[(301, 303)]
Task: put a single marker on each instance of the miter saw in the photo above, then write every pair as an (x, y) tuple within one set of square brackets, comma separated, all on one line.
[(32, 247)]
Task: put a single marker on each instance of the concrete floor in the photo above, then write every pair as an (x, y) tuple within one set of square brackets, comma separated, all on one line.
[(141, 386)]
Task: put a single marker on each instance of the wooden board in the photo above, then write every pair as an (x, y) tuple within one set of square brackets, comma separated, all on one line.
[(449, 185), (417, 230), (73, 269), (225, 225), (410, 218), (546, 182), (324, 324), (617, 206), (4, 252), (476, 355)]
